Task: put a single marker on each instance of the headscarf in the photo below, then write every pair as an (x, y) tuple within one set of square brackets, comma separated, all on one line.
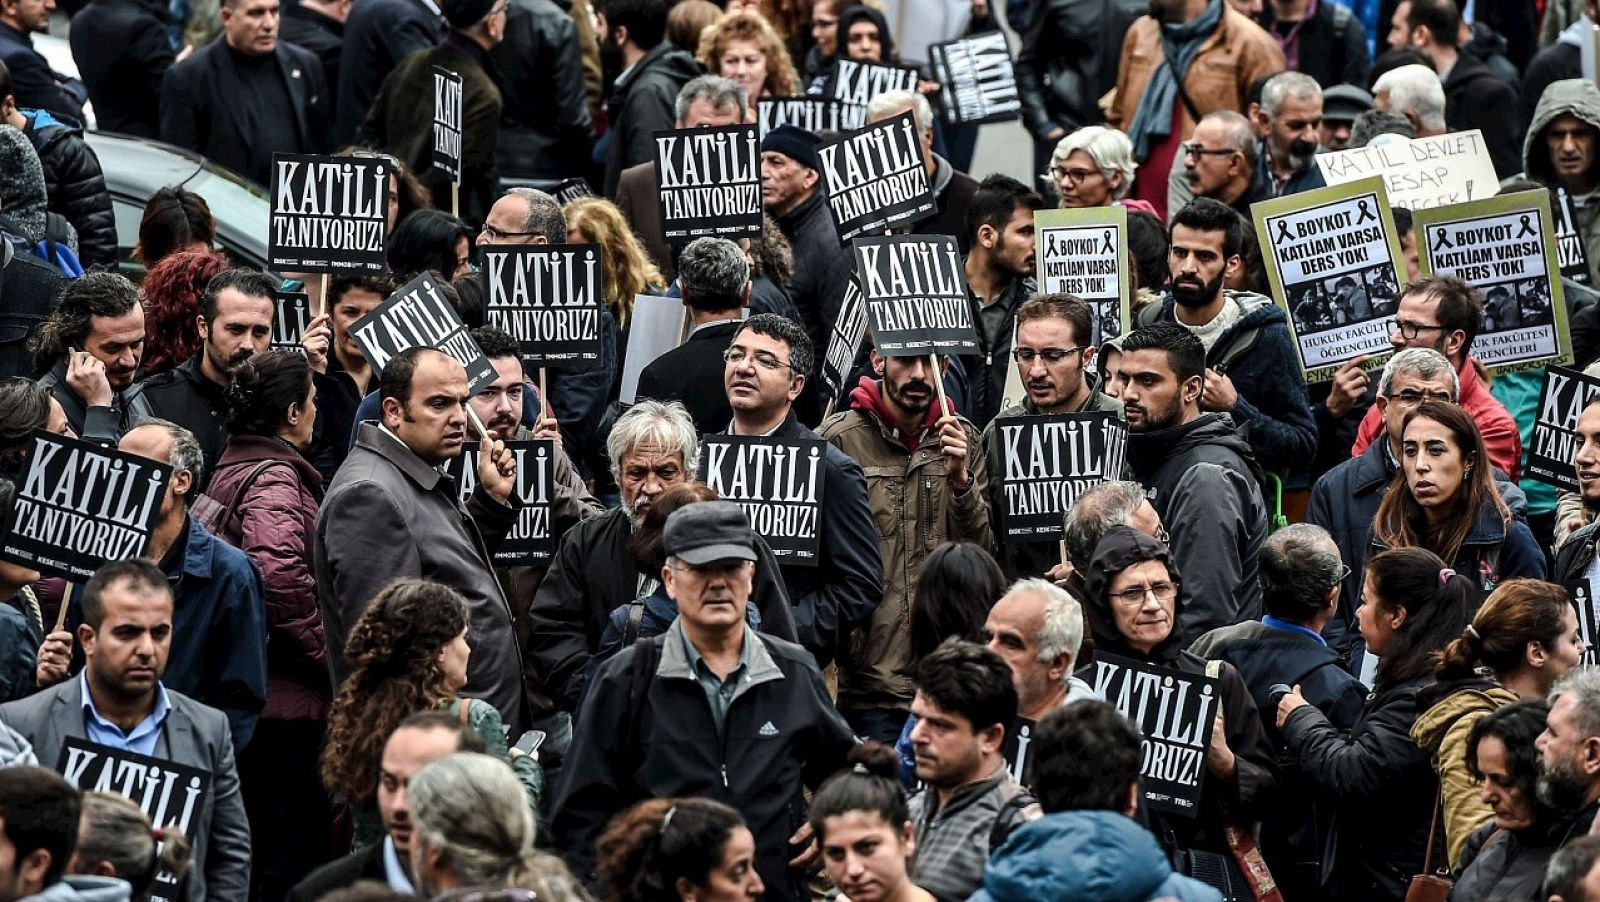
[(1123, 547), (849, 16)]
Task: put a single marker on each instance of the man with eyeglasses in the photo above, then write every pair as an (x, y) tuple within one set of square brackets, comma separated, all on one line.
[(1053, 357), (1445, 314), (1219, 162), (999, 270), (765, 370)]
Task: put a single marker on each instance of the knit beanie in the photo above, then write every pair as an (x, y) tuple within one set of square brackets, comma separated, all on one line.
[(793, 142)]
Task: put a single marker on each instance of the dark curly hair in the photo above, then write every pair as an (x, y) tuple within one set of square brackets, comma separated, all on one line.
[(393, 658), (172, 293), (647, 848), (24, 407), (645, 547), (262, 390), (104, 294)]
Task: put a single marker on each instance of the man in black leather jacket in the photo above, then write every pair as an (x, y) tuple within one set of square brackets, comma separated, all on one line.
[(544, 127)]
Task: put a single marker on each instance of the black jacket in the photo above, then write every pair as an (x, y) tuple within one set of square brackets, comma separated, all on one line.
[(122, 52), (1069, 60), (590, 576), (781, 731), (1557, 62), (305, 27), (33, 83), (1507, 865), (1333, 44), (29, 288), (97, 424), (822, 268), (377, 36), (544, 128), (1477, 98), (76, 186), (333, 433), (643, 105), (340, 873), (202, 109), (692, 373), (1575, 555), (185, 396)]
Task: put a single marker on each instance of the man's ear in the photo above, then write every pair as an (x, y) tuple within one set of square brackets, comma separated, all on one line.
[(392, 408), (1192, 389), (994, 734), (877, 362), (1233, 265), (182, 483)]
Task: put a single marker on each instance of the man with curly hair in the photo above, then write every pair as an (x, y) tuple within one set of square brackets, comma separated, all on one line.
[(90, 350)]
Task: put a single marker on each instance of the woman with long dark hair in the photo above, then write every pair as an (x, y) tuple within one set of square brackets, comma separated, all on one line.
[(1444, 499), (677, 850), (25, 405), (1412, 606), (429, 241), (864, 830)]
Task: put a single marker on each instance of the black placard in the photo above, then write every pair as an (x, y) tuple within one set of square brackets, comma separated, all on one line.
[(915, 291), (778, 483), (875, 179), (447, 122), (844, 343), (82, 505), (549, 297), (169, 793), (416, 315), (1570, 250), (570, 190), (329, 214), (817, 115), (1045, 463), (710, 182), (1554, 441), (291, 315), (531, 541), (1175, 711), (1581, 594), (855, 81), (976, 81)]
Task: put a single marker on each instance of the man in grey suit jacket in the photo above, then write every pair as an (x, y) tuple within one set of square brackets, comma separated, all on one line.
[(118, 701)]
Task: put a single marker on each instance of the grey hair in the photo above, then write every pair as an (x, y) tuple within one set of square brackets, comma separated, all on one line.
[(713, 268), (1110, 149), (1374, 124), (472, 809), (1568, 868), (715, 90), (1061, 632), (1424, 363), (1584, 684), (113, 830), (890, 102), (1094, 514), (1238, 133), (1415, 89), (666, 423), (185, 453), (1284, 86), (1298, 565), (544, 214)]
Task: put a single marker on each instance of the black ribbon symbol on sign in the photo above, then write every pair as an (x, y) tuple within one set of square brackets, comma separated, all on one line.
[(1527, 228), (1443, 239), (1365, 211), (1110, 247), (1283, 231)]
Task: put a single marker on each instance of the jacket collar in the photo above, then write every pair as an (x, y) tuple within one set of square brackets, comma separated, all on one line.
[(759, 666), (395, 452), (967, 795), (1373, 468), (791, 220), (199, 550), (294, 83)]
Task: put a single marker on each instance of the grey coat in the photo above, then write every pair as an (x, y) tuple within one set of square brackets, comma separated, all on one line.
[(386, 515), (195, 735)]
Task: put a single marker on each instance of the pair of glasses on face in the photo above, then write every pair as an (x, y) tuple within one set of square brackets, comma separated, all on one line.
[(1052, 356), (1191, 149), (1075, 176), (498, 235), (764, 359), (1132, 598), (1409, 331), (1409, 398)]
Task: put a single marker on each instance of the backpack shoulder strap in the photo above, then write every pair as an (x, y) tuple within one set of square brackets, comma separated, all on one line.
[(630, 627), (1020, 809)]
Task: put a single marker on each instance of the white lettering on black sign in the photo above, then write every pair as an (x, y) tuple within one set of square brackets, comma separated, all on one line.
[(1174, 711), (570, 190), (1581, 594), (81, 505), (857, 82), (976, 81), (710, 182), (778, 483), (531, 540), (1573, 255), (291, 315), (548, 297), (1046, 463), (1553, 444), (418, 315), (447, 122), (844, 343), (875, 179), (816, 115), (916, 295), (329, 214)]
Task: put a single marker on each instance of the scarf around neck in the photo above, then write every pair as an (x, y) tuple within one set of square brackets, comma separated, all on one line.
[(1180, 43)]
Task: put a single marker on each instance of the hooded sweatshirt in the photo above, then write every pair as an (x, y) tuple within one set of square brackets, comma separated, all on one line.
[(1442, 731), (1580, 98), (1085, 856), (83, 888)]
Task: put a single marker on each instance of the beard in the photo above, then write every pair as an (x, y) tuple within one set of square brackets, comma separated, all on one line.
[(1195, 293), (1302, 155), (1563, 788), (228, 364), (610, 58), (917, 402)]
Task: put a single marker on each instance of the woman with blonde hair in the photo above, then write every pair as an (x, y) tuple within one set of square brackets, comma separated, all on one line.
[(628, 269), (743, 45)]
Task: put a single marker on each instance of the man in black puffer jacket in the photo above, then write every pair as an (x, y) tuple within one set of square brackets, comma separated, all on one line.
[(72, 177)]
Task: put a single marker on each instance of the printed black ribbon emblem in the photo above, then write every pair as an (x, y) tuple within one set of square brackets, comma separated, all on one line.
[(1365, 210)]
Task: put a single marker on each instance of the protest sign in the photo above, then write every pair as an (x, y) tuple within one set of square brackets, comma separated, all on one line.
[(915, 291), (549, 297), (844, 343), (82, 504), (1571, 253), (875, 179), (658, 325), (447, 122), (1505, 247), (1333, 258), (1420, 173), (1045, 463), (1174, 711), (816, 115), (570, 190), (329, 214), (169, 793), (777, 482), (709, 180), (1084, 253), (416, 315), (531, 541), (290, 317), (857, 82), (976, 82), (1554, 441), (1581, 594)]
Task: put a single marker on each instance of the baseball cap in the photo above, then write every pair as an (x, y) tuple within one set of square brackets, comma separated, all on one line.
[(709, 531)]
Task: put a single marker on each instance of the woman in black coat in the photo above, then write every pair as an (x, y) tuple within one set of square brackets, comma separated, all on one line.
[(1412, 606)]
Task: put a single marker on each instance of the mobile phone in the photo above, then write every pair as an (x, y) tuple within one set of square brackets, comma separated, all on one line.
[(1277, 691), (530, 741)]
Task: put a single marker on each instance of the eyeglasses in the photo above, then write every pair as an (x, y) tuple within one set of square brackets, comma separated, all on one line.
[(1342, 575), (1052, 356), (1409, 331), (1409, 398), (1074, 176), (1132, 598), (1161, 535), (499, 235), (765, 359), (1192, 149)]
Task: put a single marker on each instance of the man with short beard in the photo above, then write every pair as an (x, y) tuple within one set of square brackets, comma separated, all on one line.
[(235, 323), (92, 345), (1569, 750), (999, 270), (1290, 116), (652, 446), (646, 73)]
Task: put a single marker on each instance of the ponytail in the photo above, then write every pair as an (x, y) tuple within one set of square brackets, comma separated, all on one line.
[(1518, 612)]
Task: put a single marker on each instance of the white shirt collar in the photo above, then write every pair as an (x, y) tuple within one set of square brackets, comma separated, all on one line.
[(392, 871)]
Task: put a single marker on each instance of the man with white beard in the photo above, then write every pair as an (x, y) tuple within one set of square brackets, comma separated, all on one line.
[(652, 447)]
